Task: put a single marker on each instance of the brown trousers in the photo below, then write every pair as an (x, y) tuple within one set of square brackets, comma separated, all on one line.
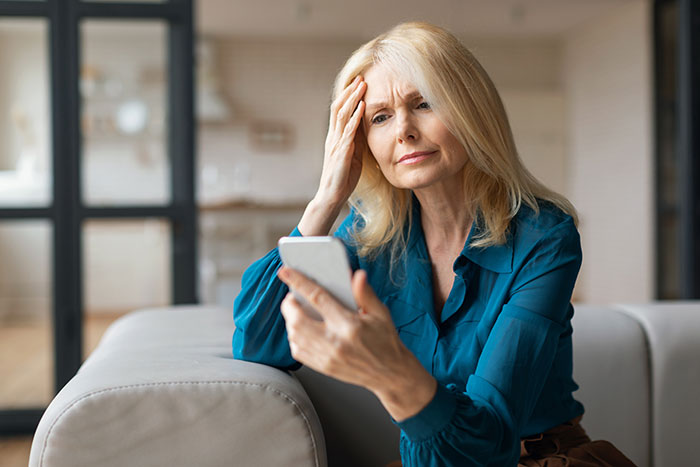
[(566, 445)]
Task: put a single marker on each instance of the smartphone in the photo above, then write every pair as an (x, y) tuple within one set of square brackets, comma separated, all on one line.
[(324, 260)]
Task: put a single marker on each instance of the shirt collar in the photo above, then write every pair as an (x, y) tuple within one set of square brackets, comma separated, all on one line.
[(496, 258)]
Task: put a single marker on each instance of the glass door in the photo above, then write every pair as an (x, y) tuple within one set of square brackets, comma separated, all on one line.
[(97, 209)]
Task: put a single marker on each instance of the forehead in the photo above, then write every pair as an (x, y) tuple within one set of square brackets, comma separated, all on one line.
[(383, 85)]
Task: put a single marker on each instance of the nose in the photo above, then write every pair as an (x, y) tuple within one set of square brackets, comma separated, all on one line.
[(406, 129)]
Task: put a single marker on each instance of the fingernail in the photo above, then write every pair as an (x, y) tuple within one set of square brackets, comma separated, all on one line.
[(283, 273)]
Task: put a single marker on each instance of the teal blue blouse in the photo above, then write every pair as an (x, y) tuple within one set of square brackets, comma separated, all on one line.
[(500, 349)]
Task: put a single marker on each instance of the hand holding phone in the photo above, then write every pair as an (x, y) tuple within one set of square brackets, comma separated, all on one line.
[(324, 260)]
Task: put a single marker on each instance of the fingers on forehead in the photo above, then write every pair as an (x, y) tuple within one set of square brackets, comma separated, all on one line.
[(352, 83), (348, 90)]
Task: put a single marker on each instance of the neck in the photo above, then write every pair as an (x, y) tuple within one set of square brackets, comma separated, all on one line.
[(444, 214)]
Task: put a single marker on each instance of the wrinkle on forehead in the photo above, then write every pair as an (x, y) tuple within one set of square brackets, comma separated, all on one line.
[(385, 88), (391, 83)]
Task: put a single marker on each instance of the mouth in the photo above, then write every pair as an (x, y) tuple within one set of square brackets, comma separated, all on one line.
[(416, 157)]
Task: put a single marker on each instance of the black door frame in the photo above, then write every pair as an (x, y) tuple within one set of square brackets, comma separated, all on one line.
[(677, 136), (67, 212), (689, 145)]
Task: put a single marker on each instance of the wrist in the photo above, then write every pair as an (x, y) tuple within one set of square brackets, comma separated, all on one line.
[(318, 217), (324, 203), (408, 391)]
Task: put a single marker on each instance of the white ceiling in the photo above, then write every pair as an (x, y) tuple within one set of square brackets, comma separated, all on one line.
[(366, 18)]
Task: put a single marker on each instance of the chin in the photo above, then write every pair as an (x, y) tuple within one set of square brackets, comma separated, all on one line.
[(415, 184), (416, 179)]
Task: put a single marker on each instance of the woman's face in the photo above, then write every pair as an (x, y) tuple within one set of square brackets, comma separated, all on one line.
[(412, 146)]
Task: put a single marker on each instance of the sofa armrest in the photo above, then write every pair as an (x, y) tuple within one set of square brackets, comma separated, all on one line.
[(163, 389)]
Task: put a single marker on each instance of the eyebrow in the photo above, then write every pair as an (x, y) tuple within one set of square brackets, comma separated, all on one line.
[(382, 104)]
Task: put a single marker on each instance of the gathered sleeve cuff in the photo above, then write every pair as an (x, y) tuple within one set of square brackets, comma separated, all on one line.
[(433, 418), (458, 429)]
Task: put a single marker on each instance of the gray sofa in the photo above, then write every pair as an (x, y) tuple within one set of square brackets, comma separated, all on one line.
[(162, 389)]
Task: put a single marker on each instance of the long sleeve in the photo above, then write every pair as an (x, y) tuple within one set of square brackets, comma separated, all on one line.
[(482, 423), (260, 335)]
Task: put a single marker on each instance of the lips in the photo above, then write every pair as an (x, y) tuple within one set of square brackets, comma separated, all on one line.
[(415, 157)]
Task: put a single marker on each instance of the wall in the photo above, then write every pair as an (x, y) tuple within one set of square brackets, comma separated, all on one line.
[(290, 82), (277, 82), (528, 76), (608, 86)]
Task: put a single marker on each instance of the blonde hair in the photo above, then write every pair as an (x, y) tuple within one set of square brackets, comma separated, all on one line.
[(463, 96)]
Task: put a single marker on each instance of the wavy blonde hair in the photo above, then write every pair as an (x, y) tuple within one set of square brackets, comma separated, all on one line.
[(463, 96)]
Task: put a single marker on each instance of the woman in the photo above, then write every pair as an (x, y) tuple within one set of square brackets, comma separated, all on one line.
[(465, 265)]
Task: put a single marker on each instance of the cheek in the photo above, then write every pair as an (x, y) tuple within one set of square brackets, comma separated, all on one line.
[(448, 142), (379, 148), (441, 133)]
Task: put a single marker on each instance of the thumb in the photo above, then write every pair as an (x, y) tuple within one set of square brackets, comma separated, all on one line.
[(365, 297)]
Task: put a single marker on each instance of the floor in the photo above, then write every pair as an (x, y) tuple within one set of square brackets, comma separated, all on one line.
[(14, 451), (26, 369)]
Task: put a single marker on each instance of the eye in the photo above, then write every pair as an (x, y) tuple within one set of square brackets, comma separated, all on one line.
[(423, 105), (379, 119)]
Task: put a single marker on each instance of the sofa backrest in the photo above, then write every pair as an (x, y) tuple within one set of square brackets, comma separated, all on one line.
[(611, 367), (356, 427), (672, 329)]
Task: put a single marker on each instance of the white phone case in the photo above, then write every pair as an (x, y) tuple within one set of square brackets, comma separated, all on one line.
[(323, 260)]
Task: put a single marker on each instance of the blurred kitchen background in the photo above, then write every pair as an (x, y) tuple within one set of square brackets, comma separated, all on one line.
[(576, 77)]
